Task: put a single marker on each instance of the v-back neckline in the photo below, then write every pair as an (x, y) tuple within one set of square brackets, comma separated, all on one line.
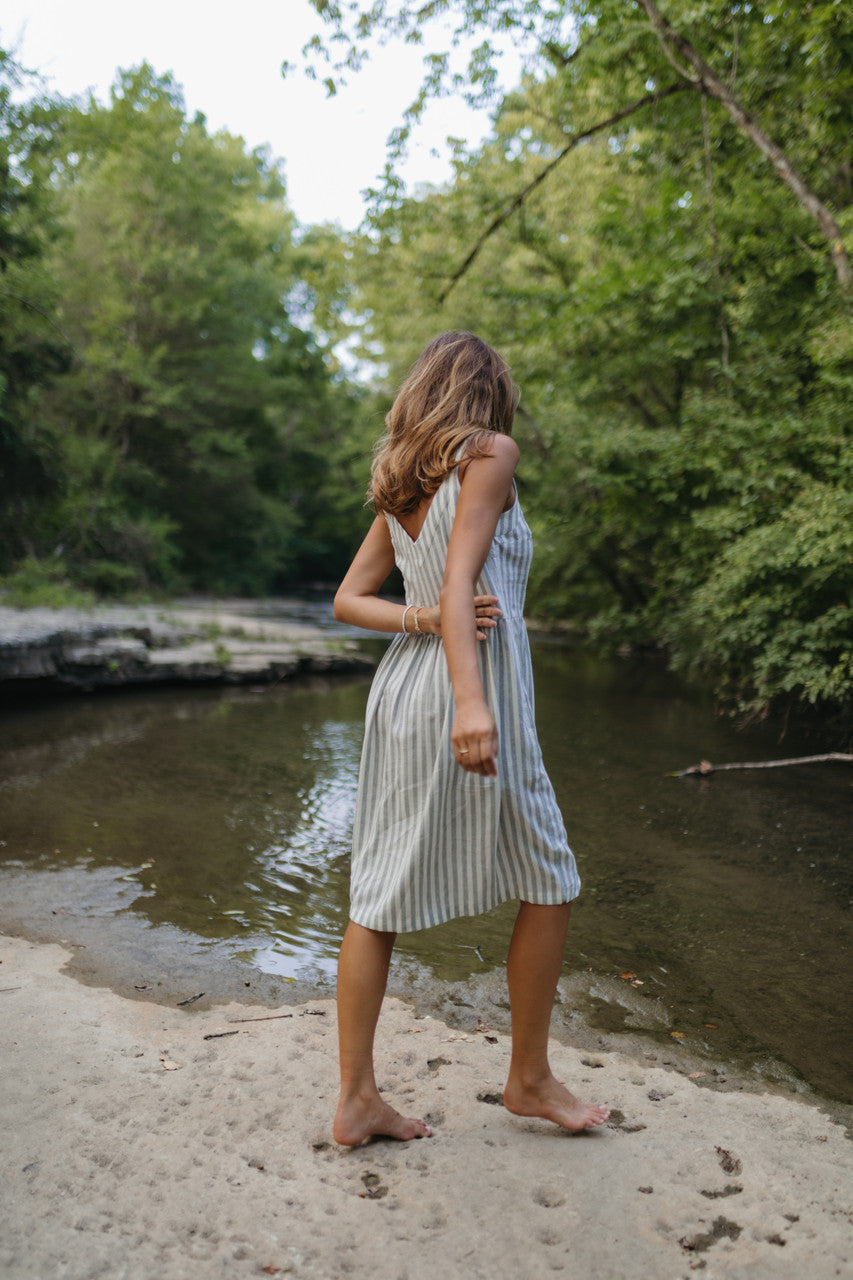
[(414, 541)]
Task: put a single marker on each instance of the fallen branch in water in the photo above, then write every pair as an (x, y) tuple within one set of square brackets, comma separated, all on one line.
[(704, 767)]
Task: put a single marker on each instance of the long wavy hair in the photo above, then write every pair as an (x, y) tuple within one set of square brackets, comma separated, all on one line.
[(458, 392)]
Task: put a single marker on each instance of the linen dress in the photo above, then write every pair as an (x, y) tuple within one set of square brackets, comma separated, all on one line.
[(430, 840)]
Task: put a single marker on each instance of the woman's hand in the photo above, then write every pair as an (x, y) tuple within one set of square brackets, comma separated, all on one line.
[(486, 614), (474, 738)]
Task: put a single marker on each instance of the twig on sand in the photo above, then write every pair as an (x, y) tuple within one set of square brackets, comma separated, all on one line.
[(10, 988), (268, 1017), (190, 999), (704, 767), (218, 1035)]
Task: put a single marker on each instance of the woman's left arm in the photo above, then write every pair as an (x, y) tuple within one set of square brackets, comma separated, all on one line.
[(483, 495)]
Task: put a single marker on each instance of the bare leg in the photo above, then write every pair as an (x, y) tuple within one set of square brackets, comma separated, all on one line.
[(362, 976), (533, 968)]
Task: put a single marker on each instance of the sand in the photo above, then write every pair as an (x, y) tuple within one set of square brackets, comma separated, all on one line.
[(135, 1148)]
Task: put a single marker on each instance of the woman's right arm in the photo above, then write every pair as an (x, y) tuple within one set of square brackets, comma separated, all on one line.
[(357, 603), (356, 600)]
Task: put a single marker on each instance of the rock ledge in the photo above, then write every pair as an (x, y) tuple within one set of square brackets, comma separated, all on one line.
[(233, 642)]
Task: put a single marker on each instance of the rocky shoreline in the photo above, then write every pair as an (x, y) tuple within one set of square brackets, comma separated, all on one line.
[(190, 641)]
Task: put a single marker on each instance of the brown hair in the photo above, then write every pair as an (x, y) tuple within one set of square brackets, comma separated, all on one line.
[(459, 390)]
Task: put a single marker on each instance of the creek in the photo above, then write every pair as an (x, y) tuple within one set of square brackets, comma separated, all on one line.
[(176, 837)]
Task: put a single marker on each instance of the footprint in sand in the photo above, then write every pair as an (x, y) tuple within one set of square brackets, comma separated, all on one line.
[(721, 1229), (548, 1197), (374, 1188), (495, 1099), (435, 1219), (617, 1121)]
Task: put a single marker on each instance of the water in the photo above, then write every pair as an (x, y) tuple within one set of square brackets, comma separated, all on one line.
[(174, 837)]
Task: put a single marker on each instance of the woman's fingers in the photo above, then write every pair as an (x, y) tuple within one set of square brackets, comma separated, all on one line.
[(482, 767), (478, 756), (486, 607), (486, 614), (486, 768)]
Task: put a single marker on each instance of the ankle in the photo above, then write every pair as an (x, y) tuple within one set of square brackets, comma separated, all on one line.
[(358, 1093), (529, 1076)]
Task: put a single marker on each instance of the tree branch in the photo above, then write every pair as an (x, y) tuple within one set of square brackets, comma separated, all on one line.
[(673, 40), (705, 767), (554, 51), (573, 140)]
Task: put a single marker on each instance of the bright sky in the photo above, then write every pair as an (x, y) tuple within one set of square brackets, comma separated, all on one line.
[(228, 57)]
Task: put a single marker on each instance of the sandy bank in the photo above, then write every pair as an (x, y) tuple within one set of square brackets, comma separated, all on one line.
[(117, 1164)]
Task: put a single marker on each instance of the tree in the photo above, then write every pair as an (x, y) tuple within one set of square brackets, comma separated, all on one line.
[(676, 324), (33, 347), (632, 44), (197, 416)]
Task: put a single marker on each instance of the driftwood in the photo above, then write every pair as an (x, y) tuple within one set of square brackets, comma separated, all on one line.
[(704, 767)]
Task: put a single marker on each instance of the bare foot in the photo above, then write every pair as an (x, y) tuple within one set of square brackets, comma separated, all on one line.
[(358, 1119), (551, 1100)]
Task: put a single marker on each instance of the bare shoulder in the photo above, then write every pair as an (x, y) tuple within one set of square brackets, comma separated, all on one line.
[(379, 527), (504, 449), (501, 455)]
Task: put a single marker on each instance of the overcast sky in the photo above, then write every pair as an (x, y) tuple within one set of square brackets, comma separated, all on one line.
[(228, 57)]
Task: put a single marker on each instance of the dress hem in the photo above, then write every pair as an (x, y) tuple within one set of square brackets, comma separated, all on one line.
[(451, 914)]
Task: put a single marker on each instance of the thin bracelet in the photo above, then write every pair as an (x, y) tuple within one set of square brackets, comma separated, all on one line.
[(407, 610), (417, 622)]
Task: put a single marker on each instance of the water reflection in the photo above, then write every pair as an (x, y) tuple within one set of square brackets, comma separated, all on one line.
[(226, 815)]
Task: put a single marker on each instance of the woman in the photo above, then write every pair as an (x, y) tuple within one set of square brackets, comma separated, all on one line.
[(455, 812)]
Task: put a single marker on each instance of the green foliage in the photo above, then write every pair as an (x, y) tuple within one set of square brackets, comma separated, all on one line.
[(33, 348), (42, 584), (775, 615), (222, 653), (189, 431), (173, 416), (673, 316)]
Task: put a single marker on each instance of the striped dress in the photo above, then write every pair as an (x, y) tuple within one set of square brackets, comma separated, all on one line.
[(430, 840)]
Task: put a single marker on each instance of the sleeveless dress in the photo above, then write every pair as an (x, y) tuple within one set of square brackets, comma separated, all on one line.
[(431, 841)]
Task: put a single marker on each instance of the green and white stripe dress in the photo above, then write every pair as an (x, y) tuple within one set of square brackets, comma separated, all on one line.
[(430, 840)]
